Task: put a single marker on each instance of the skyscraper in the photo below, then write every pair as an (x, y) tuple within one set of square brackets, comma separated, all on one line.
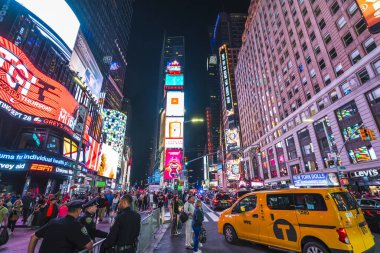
[(307, 79), (110, 49)]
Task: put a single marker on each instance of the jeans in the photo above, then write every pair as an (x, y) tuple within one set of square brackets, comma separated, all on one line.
[(196, 237)]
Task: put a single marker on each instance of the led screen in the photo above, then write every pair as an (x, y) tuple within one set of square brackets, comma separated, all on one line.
[(174, 80), (175, 104), (114, 125), (108, 162), (233, 170), (225, 77), (173, 164), (360, 154), (92, 154), (29, 95), (174, 128), (232, 139), (83, 62), (53, 13), (351, 132)]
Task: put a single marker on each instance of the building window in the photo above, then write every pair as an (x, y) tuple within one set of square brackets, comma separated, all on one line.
[(297, 22), (322, 64), (352, 132), (308, 95), (316, 89), (299, 102), (347, 111), (312, 73), (374, 101), (334, 7), (304, 80), (345, 88), (355, 57), (308, 59), (333, 96), (327, 38), (317, 11), (376, 66), (304, 46), (327, 79), (360, 27), (363, 76), (322, 24), (32, 140), (369, 45), (347, 39), (308, 23), (352, 9), (339, 70), (341, 22), (295, 89), (317, 50), (290, 94), (362, 154), (332, 53), (321, 104), (297, 55), (312, 36)]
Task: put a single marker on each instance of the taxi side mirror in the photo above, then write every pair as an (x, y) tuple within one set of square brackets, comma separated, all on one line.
[(242, 209)]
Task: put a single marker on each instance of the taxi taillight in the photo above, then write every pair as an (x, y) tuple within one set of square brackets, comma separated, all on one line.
[(343, 237)]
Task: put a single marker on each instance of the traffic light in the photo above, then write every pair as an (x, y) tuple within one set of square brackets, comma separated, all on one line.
[(364, 134), (258, 151), (176, 184)]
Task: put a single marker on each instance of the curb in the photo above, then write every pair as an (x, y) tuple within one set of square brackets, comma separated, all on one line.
[(157, 238)]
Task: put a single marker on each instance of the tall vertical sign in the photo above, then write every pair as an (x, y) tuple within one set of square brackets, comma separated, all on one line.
[(225, 78)]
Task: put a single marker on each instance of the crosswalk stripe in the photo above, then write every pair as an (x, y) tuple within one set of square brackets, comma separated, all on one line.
[(205, 219), (213, 216)]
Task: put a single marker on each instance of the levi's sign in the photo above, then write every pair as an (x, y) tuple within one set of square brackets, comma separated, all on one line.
[(28, 94), (366, 173)]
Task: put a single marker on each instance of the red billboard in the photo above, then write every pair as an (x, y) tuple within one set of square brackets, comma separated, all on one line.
[(173, 163), (29, 95)]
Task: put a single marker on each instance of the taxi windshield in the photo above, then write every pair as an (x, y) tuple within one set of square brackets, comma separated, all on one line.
[(222, 197), (344, 201)]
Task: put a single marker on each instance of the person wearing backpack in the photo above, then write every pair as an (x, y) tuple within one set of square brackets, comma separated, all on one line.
[(188, 208), (197, 224)]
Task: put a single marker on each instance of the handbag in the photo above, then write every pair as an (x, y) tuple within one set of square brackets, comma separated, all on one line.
[(202, 235), (4, 236), (184, 216), (14, 217)]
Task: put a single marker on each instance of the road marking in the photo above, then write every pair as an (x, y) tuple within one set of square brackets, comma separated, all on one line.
[(213, 216), (205, 219)]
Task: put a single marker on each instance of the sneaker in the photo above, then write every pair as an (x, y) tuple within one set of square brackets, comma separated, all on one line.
[(200, 244), (199, 251), (189, 247)]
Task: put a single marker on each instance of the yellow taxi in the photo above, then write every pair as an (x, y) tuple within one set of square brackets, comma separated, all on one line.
[(310, 220)]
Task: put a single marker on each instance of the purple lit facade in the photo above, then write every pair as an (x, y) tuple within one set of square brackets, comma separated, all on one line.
[(308, 73)]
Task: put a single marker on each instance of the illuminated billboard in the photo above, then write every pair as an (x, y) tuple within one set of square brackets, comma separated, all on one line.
[(173, 68), (29, 95), (225, 78), (173, 163), (175, 103), (174, 128), (232, 139), (173, 82), (371, 13), (109, 160), (174, 143), (83, 62), (114, 125), (233, 170), (52, 13), (92, 154)]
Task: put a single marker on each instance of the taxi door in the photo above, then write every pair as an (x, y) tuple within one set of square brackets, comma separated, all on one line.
[(279, 227), (247, 218)]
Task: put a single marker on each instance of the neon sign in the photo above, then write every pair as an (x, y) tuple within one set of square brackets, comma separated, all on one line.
[(225, 75)]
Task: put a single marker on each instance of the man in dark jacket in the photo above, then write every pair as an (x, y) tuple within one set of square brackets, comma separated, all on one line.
[(88, 220), (50, 211), (126, 229), (26, 206), (197, 224)]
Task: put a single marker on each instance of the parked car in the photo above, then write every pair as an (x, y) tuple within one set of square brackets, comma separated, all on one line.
[(221, 201), (208, 197), (371, 211)]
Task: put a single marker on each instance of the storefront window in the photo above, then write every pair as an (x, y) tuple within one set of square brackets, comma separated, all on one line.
[(361, 154), (283, 172), (311, 166), (351, 132), (53, 144), (32, 140), (70, 148), (295, 169), (374, 101), (347, 111), (307, 149)]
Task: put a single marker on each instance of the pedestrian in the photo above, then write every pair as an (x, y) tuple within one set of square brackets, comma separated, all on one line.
[(189, 210), (88, 220), (50, 211), (62, 235), (63, 209), (3, 213), (26, 208), (161, 206), (126, 229), (101, 206), (14, 215), (197, 224), (175, 215), (115, 201)]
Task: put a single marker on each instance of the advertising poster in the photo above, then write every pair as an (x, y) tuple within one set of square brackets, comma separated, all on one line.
[(174, 128), (92, 154), (233, 170), (175, 103), (371, 13), (173, 164), (316, 179), (82, 61), (109, 160), (174, 81), (29, 95), (232, 139)]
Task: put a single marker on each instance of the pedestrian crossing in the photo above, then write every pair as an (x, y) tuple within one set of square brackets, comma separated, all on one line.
[(210, 216)]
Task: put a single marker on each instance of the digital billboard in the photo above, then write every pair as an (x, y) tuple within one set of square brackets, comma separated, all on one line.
[(232, 139), (173, 163), (225, 76), (114, 125), (174, 128), (175, 103), (92, 154), (233, 169), (83, 62), (52, 13), (371, 13), (316, 179), (29, 95), (109, 160), (174, 143), (173, 68), (174, 81)]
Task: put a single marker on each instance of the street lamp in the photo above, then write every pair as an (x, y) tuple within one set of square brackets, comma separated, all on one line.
[(194, 120)]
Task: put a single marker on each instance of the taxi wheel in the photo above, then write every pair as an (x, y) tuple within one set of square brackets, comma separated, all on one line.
[(230, 234), (314, 247)]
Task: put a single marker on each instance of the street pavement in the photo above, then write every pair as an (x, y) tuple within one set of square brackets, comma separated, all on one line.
[(215, 242)]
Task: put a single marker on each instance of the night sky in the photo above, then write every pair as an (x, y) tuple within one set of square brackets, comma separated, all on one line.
[(151, 18)]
